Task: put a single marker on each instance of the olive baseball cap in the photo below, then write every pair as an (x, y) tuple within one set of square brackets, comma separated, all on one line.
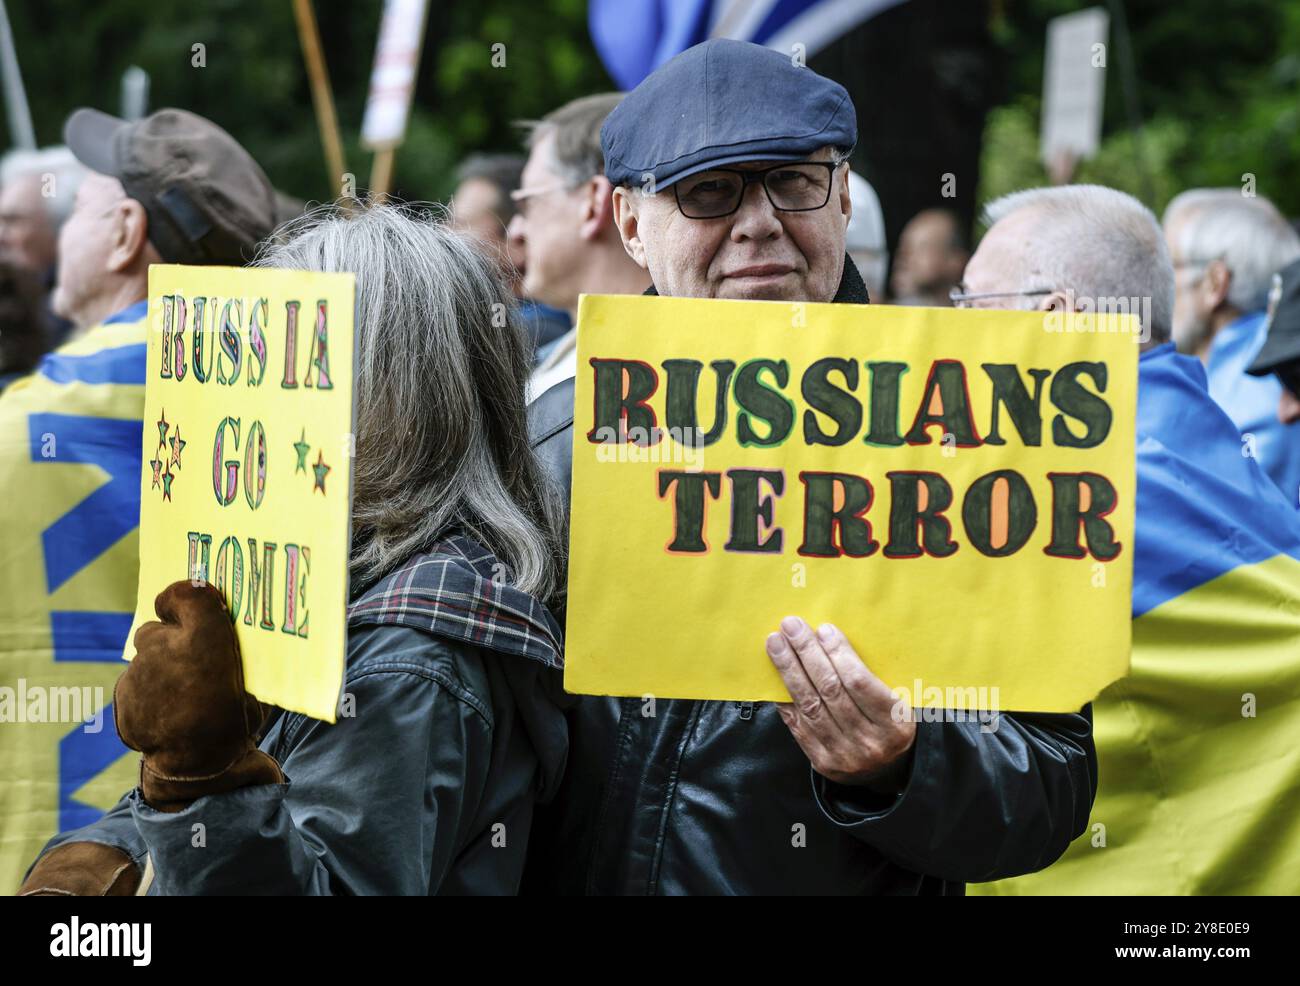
[(207, 200)]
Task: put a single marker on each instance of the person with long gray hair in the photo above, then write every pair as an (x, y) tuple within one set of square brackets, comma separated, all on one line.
[(449, 728)]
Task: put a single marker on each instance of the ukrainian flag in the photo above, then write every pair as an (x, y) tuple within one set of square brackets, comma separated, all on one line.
[(70, 441), (1199, 747)]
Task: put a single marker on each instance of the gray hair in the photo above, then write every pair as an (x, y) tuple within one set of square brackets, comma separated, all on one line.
[(576, 126), (64, 170), (441, 433), (1248, 234), (1099, 243)]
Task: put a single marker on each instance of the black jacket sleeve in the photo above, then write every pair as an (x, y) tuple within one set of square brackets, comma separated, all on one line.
[(980, 803)]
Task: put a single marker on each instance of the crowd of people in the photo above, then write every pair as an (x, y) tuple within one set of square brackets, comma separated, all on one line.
[(467, 768)]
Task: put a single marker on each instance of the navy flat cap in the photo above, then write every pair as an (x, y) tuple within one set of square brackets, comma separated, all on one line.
[(722, 102)]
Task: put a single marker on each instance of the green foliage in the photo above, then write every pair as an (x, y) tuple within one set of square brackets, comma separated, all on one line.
[(254, 83), (1218, 89), (1218, 84)]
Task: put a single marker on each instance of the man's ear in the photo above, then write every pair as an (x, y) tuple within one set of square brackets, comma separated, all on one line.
[(846, 200), (130, 237), (627, 221), (1215, 284), (1057, 301), (597, 208)]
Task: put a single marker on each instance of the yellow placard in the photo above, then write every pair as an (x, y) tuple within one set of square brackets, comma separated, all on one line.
[(952, 488), (246, 480)]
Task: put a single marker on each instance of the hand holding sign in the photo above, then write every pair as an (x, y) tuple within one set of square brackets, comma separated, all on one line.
[(842, 714), (182, 703)]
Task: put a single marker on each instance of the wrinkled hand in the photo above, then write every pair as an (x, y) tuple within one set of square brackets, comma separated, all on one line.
[(841, 714), (182, 703)]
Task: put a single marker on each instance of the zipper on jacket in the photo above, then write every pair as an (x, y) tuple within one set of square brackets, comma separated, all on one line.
[(746, 710)]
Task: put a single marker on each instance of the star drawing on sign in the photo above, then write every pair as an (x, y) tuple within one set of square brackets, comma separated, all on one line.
[(178, 445), (320, 469), (302, 448)]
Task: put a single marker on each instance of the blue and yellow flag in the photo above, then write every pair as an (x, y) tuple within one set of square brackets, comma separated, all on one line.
[(1199, 747), (70, 443)]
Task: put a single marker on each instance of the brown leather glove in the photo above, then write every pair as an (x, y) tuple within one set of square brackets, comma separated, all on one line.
[(182, 703), (82, 869)]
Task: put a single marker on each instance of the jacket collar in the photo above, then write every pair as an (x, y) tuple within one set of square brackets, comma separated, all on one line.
[(455, 591)]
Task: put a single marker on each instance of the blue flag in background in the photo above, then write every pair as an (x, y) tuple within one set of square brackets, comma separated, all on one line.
[(635, 37)]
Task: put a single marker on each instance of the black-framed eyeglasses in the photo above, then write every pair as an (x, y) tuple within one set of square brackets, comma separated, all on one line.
[(801, 186)]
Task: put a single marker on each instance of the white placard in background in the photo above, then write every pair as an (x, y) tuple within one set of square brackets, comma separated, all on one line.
[(1074, 84), (392, 81)]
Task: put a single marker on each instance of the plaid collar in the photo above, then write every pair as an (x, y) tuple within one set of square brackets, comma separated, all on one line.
[(455, 590)]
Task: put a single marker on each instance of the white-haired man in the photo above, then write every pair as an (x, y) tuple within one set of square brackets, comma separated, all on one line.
[(37, 190), (1226, 247), (1216, 580), (37, 193)]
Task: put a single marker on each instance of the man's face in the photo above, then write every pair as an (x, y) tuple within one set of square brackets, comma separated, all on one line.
[(86, 242), (757, 252), (1191, 318), (476, 210), (546, 230), (927, 261), (1194, 302), (27, 236)]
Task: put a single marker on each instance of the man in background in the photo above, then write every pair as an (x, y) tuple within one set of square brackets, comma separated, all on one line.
[(931, 255), (1226, 247), (1199, 746), (482, 207), (171, 188), (565, 225), (37, 190), (865, 237)]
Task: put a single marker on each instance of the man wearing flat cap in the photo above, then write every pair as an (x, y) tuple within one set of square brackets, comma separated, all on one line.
[(730, 175), (1280, 354), (171, 188)]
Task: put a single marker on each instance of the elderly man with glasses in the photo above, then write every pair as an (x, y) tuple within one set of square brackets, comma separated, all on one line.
[(730, 181)]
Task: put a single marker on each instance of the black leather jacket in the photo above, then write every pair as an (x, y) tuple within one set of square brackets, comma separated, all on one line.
[(717, 798)]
